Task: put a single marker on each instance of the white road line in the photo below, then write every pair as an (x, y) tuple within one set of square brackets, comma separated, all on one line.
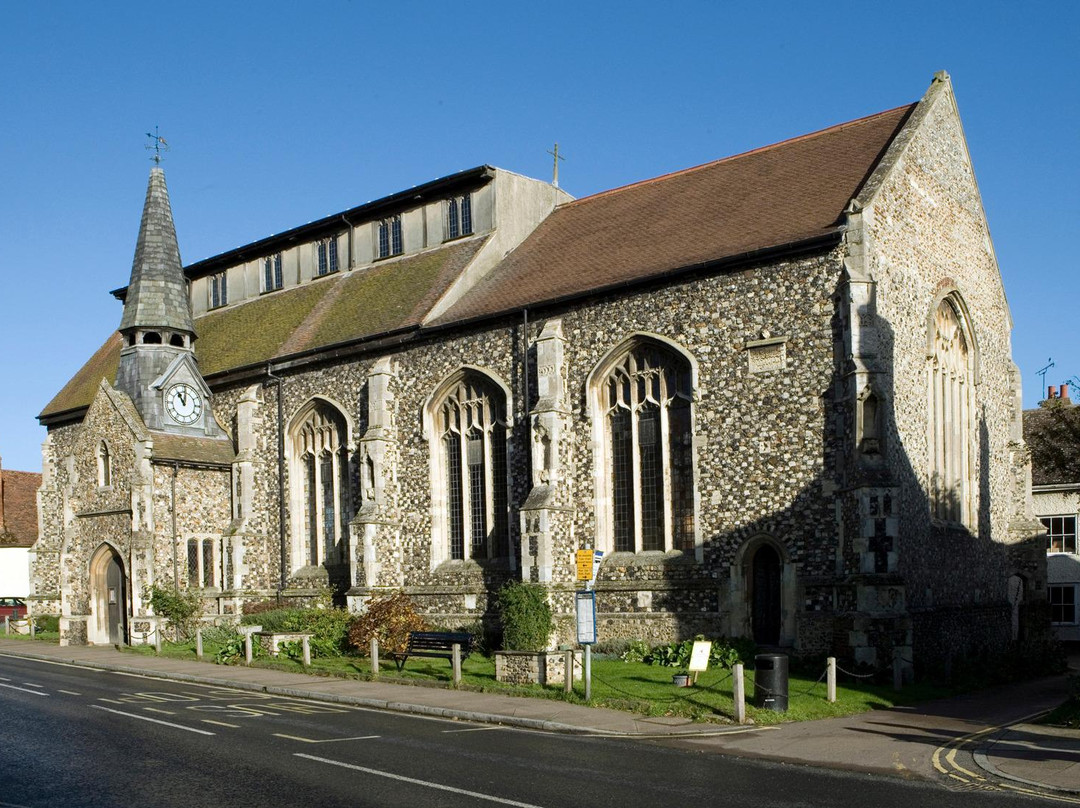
[(157, 710), (220, 724), (32, 684), (4, 679), (471, 729), (111, 701), (153, 720), (324, 740), (414, 781), (69, 692), (24, 689)]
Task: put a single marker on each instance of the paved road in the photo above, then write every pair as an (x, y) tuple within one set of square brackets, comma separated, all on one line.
[(80, 737)]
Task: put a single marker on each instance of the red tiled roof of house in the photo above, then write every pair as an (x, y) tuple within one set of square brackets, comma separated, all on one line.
[(782, 194), (20, 517)]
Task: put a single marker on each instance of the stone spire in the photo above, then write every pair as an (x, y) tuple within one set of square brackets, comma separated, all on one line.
[(157, 296)]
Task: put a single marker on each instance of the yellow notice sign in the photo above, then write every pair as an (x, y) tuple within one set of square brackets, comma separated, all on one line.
[(699, 656), (584, 565)]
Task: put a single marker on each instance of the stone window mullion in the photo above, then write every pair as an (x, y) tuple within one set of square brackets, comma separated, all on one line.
[(665, 463), (317, 501)]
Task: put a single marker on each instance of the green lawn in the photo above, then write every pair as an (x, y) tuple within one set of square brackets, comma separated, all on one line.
[(630, 686)]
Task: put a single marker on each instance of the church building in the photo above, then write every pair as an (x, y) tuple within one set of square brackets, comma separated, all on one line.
[(776, 390)]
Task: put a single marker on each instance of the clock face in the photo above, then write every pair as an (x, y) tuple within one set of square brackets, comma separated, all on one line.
[(183, 403)]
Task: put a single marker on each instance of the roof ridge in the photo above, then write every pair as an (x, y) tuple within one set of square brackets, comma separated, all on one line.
[(788, 141)]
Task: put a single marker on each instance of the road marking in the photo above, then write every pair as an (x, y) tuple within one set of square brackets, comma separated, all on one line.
[(24, 689), (111, 701), (324, 740), (471, 729), (414, 781), (31, 684), (12, 805), (4, 679), (69, 692), (1045, 795), (220, 724), (153, 720), (158, 710)]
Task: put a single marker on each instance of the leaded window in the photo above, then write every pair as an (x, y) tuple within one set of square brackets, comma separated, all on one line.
[(322, 497), (645, 401), (327, 257), (950, 404), (390, 242), (272, 276), (459, 216), (471, 422), (219, 290), (201, 563)]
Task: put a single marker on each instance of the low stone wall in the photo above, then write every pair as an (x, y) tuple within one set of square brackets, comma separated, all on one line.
[(530, 667)]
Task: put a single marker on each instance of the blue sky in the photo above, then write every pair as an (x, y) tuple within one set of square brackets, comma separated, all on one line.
[(281, 113)]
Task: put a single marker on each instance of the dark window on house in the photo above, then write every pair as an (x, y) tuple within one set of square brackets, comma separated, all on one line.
[(328, 260), (390, 242), (459, 216), (1061, 533), (219, 290), (1063, 604), (272, 277)]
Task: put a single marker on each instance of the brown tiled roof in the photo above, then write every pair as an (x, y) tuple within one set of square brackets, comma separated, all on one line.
[(778, 195), (392, 295), (19, 492), (1052, 433), (192, 450)]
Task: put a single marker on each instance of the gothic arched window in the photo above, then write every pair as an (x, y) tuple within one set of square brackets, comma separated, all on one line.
[(646, 457), (470, 471), (104, 465), (950, 398), (322, 500)]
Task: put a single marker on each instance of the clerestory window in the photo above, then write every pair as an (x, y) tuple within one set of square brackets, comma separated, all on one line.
[(327, 257), (646, 457), (272, 276), (390, 242), (219, 290), (459, 216)]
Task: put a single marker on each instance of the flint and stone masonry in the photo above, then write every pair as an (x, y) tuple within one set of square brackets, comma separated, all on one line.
[(738, 409)]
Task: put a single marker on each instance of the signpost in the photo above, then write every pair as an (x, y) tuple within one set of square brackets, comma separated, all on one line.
[(588, 563)]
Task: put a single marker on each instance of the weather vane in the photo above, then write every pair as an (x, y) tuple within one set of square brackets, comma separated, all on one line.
[(158, 146), (556, 157)]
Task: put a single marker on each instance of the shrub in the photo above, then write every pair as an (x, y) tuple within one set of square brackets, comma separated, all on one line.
[(329, 627), (526, 616), (47, 622), (389, 619), (181, 607), (724, 652)]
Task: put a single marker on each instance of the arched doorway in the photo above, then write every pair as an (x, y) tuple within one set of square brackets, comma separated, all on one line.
[(765, 596), (108, 598)]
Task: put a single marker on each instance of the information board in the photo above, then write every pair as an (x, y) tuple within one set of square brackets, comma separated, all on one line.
[(699, 656), (585, 603), (588, 562)]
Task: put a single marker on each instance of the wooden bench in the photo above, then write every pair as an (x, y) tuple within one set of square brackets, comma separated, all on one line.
[(438, 644)]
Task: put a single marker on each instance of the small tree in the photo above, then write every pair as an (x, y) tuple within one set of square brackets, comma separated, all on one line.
[(181, 607), (526, 616), (389, 618)]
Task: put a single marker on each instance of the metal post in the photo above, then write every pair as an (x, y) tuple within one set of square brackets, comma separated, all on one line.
[(374, 656), (568, 678), (830, 679), (306, 640), (247, 648), (456, 652), (198, 643), (739, 694), (588, 673)]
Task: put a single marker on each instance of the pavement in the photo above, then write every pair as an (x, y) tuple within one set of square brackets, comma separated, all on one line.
[(983, 740)]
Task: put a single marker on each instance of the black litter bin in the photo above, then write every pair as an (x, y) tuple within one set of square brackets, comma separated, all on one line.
[(771, 682)]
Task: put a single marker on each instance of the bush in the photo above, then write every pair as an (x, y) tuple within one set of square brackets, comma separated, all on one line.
[(329, 627), (389, 619), (526, 616), (47, 622), (181, 607), (482, 642), (724, 652)]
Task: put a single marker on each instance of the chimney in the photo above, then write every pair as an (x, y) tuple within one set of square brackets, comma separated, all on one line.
[(1064, 392), (1051, 392)]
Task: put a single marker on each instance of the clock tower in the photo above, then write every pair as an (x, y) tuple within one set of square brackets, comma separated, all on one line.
[(158, 368)]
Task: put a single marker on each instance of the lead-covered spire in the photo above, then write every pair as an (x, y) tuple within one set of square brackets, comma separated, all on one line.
[(157, 296)]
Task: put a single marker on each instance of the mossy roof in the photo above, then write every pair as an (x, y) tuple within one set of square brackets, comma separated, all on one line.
[(346, 307)]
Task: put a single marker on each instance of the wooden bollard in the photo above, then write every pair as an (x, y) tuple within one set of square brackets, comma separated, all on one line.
[(247, 649), (568, 665), (198, 643), (739, 693), (830, 679), (456, 654), (306, 641), (374, 656)]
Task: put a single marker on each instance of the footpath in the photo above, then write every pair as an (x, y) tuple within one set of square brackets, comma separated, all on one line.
[(979, 741)]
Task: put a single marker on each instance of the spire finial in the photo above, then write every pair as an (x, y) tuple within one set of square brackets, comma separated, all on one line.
[(556, 157), (158, 146)]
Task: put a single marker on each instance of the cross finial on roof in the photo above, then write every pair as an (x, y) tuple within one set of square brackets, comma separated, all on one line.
[(556, 157), (158, 146)]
